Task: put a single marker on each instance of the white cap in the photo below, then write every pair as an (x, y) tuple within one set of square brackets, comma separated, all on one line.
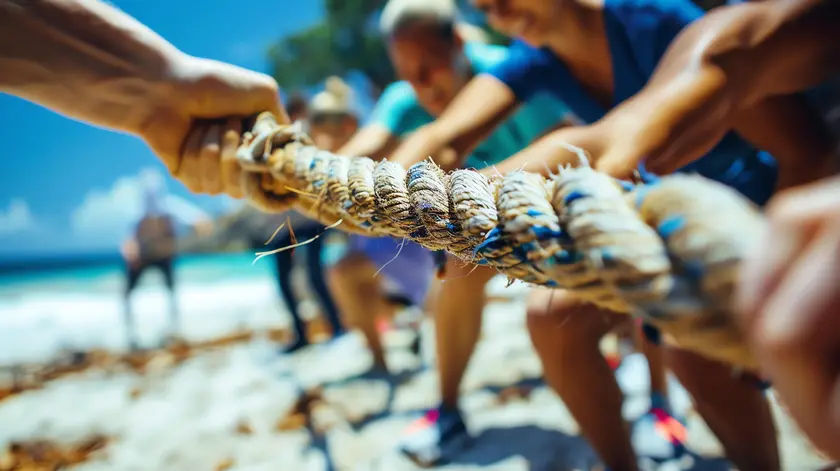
[(337, 98)]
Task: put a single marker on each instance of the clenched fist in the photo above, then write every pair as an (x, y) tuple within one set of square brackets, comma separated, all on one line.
[(197, 127)]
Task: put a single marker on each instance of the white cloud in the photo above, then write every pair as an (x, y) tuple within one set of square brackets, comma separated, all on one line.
[(16, 217), (106, 216)]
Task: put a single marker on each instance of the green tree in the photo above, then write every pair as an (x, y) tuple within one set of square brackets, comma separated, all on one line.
[(347, 39)]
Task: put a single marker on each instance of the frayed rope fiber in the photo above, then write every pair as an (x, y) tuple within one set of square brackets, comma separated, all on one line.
[(668, 250)]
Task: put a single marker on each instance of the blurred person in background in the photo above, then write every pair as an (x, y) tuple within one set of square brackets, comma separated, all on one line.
[(332, 116), (332, 120), (153, 245), (434, 62), (298, 108)]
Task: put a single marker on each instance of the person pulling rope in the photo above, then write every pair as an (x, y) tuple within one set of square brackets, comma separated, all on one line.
[(667, 250)]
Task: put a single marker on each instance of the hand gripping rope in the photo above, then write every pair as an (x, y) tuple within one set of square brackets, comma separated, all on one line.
[(667, 250)]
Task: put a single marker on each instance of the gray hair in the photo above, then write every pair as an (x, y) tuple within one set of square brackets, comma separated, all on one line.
[(399, 14)]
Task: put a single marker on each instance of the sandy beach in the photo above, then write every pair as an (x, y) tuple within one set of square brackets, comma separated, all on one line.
[(246, 407)]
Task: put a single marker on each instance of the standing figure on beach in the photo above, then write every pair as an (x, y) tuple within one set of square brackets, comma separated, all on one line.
[(434, 63), (153, 245)]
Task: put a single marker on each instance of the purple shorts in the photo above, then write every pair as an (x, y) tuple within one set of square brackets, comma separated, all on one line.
[(411, 271)]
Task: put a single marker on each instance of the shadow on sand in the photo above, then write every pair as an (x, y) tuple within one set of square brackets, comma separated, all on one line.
[(545, 450)]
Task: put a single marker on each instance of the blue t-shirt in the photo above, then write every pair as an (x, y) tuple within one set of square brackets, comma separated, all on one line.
[(399, 111), (638, 33)]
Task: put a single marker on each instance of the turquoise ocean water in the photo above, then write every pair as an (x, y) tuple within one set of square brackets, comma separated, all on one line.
[(189, 269), (45, 312)]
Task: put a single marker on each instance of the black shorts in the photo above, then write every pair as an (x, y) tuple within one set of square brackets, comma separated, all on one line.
[(134, 272)]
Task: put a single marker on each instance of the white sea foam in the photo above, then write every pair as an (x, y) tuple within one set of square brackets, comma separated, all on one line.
[(38, 319)]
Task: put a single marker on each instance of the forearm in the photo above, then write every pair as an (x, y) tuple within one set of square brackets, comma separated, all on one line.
[(81, 56), (788, 129), (472, 116), (429, 141), (372, 141), (568, 146), (718, 67), (773, 47)]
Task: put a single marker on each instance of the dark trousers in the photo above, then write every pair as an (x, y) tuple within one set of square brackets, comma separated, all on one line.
[(284, 262), (133, 275)]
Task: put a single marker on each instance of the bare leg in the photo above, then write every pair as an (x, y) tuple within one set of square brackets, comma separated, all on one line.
[(358, 295), (432, 296), (735, 410), (566, 333), (457, 310)]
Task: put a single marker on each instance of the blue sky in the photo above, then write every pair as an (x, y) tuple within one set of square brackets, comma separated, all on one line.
[(65, 185)]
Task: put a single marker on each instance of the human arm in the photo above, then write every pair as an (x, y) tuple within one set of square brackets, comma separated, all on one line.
[(787, 305), (719, 67), (558, 148), (390, 120), (89, 61), (793, 133), (477, 110), (374, 141)]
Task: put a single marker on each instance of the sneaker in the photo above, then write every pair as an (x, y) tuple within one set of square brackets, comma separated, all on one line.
[(436, 437), (658, 435)]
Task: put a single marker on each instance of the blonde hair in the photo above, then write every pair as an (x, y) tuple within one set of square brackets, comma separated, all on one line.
[(337, 98)]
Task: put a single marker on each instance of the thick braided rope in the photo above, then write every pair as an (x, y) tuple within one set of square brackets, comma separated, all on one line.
[(667, 251)]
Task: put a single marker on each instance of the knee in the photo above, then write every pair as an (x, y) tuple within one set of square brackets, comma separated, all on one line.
[(556, 319), (347, 269)]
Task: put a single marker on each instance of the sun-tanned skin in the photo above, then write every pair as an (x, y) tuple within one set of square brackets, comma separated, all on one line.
[(353, 280), (781, 125), (428, 62), (707, 84), (89, 61), (726, 63), (703, 88), (722, 70)]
